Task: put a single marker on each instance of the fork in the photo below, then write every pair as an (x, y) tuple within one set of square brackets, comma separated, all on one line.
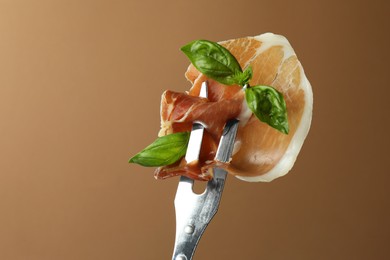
[(195, 211)]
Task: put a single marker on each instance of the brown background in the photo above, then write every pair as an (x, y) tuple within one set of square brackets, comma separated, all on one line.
[(80, 84)]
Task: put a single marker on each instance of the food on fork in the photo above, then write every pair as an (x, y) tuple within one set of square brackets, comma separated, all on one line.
[(259, 81)]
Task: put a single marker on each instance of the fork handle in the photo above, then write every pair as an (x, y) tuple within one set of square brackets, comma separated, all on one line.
[(203, 208)]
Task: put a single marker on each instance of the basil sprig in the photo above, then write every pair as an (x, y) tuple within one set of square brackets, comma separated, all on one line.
[(216, 62), (163, 151)]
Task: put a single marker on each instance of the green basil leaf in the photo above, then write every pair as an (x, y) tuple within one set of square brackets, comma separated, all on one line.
[(269, 106), (213, 60), (163, 151)]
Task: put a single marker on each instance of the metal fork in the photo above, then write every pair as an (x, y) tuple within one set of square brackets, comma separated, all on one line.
[(195, 211)]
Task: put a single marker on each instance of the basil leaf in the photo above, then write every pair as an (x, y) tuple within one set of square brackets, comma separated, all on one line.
[(269, 106), (163, 151), (213, 60)]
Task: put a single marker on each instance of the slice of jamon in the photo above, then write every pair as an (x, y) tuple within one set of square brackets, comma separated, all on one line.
[(180, 110), (261, 153)]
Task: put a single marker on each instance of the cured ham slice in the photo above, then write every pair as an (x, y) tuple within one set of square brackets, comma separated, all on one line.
[(261, 153)]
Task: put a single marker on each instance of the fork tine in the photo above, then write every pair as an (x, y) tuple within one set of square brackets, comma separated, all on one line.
[(195, 142), (204, 90)]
